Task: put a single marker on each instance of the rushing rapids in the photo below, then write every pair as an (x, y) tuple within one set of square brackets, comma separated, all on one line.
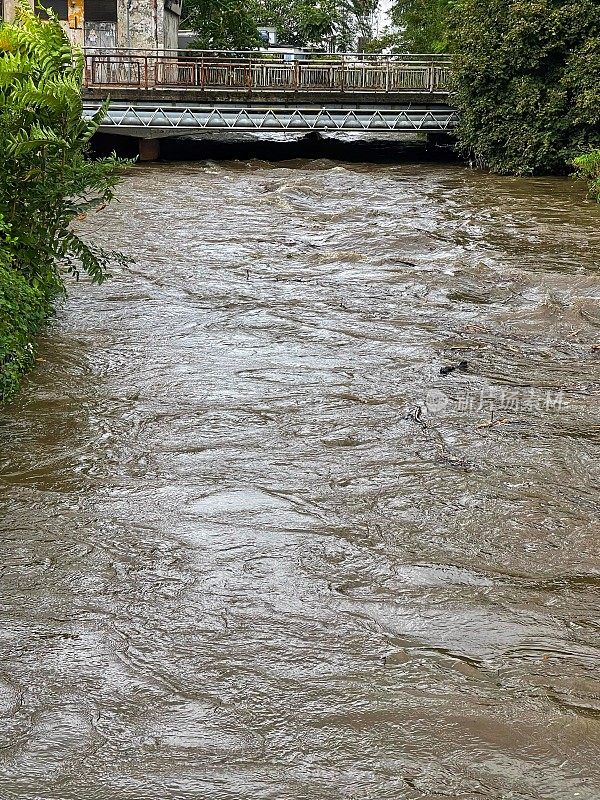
[(303, 504)]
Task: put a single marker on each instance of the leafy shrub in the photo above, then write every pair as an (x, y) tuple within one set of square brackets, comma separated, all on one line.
[(46, 181), (588, 168), (526, 78), (23, 310)]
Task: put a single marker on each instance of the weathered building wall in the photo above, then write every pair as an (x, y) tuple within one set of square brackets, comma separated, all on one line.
[(138, 23), (171, 28), (9, 9), (148, 24), (75, 34)]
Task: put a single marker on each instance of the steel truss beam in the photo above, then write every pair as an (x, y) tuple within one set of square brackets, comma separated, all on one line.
[(179, 118)]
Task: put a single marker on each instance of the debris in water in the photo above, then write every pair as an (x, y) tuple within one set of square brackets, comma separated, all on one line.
[(463, 366)]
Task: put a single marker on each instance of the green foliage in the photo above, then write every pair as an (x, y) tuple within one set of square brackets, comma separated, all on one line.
[(46, 182), (232, 24), (319, 22), (23, 310), (422, 25), (527, 86), (222, 24), (588, 168), (299, 22)]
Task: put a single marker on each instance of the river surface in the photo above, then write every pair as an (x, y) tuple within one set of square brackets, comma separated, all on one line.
[(256, 547)]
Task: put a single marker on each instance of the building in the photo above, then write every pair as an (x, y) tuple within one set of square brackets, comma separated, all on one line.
[(147, 24), (268, 35)]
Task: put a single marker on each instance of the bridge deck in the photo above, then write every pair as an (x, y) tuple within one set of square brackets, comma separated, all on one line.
[(170, 91), (193, 71)]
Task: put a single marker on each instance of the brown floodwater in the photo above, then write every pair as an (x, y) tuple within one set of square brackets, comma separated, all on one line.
[(256, 547)]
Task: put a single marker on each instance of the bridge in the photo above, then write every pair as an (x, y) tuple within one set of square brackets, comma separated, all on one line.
[(154, 94)]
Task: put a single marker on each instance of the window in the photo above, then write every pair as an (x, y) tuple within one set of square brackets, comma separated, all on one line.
[(100, 10), (58, 6), (94, 10)]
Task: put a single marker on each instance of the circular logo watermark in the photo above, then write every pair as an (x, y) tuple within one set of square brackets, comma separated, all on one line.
[(436, 401)]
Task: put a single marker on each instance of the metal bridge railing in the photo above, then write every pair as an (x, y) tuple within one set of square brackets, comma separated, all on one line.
[(251, 71)]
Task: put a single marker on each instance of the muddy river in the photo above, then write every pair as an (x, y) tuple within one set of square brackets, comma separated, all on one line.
[(303, 504)]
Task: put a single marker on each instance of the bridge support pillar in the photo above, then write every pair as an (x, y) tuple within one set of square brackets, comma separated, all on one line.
[(149, 149)]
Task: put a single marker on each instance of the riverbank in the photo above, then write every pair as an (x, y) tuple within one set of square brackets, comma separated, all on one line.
[(588, 166), (46, 183), (24, 308)]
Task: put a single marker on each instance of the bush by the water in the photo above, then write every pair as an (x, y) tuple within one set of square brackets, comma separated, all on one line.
[(23, 309), (588, 168), (526, 79), (46, 182)]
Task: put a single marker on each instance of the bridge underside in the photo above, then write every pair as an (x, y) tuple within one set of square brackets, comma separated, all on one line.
[(157, 120)]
